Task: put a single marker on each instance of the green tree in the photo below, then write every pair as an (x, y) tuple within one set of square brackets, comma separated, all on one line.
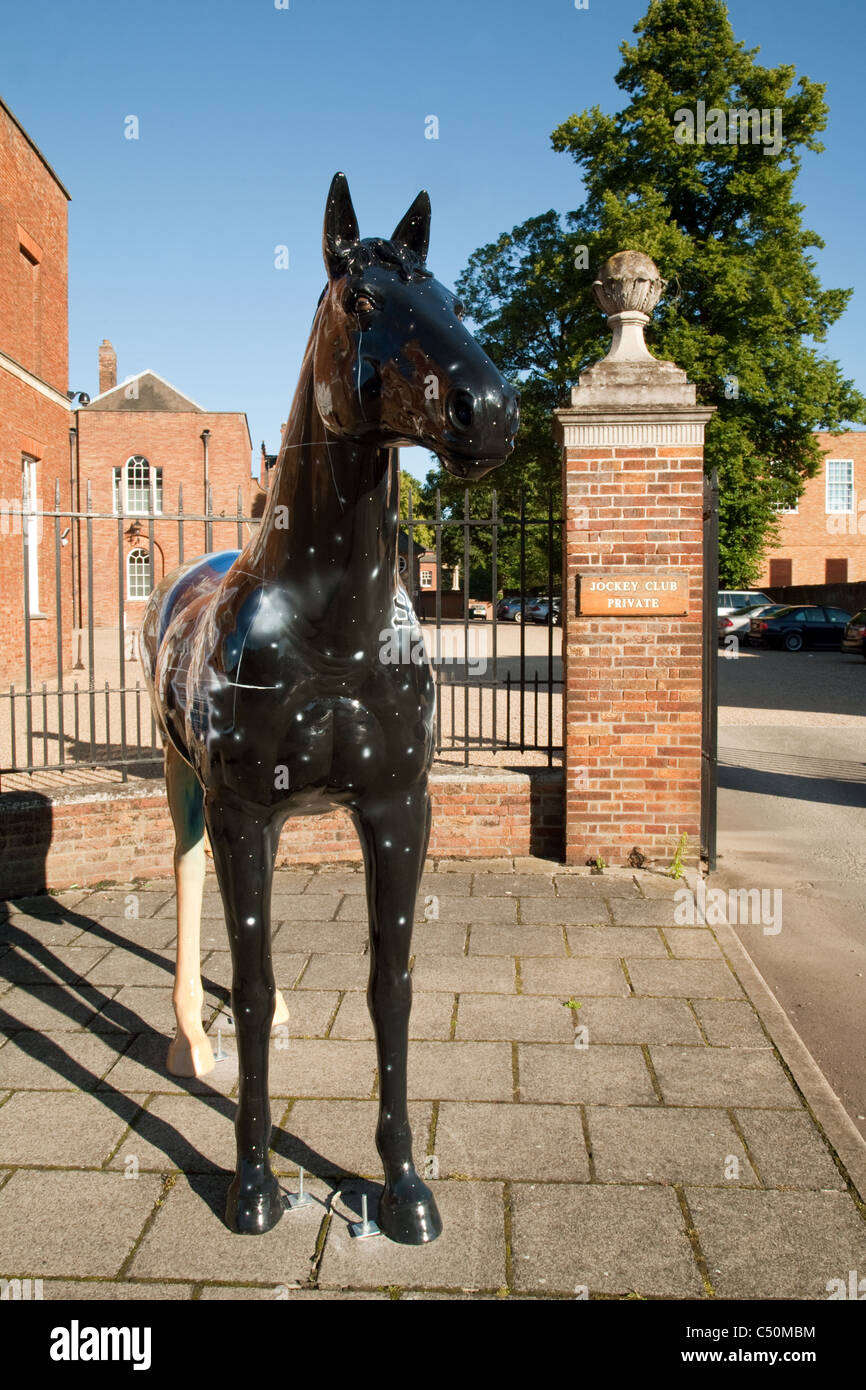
[(744, 310), (423, 537)]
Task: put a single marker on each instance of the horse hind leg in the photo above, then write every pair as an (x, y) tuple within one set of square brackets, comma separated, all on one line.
[(190, 1052)]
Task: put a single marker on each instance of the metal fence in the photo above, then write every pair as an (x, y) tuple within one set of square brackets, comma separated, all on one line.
[(78, 704)]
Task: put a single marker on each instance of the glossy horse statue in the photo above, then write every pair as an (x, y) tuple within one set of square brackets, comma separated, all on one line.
[(274, 683)]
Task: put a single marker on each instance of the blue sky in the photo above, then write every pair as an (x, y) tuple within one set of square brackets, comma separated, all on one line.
[(247, 110)]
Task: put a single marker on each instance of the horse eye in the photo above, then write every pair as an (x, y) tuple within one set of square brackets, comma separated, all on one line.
[(363, 305)]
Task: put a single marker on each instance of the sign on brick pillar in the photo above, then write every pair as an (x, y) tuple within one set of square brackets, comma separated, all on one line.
[(632, 448)]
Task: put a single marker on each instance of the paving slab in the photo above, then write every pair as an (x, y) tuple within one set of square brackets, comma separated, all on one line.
[(730, 1023), (432, 938), (476, 909), (661, 1145), (279, 1292), (430, 1017), (52, 1008), (310, 1013), (685, 979), (193, 1134), (638, 1021), (141, 967), (565, 912), (511, 1141), (108, 1290), (722, 1076), (518, 1018), (20, 930), (634, 942), (331, 1137), (460, 1071), (334, 970), (469, 1254), (43, 965), (614, 1240), (603, 1074), (771, 1245), (62, 1128), (513, 886), (445, 885), (142, 1069), (72, 1223), (454, 974), (692, 942), (788, 1150), (651, 912), (505, 940), (571, 886), (308, 1067), (189, 1239), (318, 936), (576, 977), (288, 965), (60, 1061)]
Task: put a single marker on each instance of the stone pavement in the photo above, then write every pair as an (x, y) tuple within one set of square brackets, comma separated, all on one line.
[(650, 1143)]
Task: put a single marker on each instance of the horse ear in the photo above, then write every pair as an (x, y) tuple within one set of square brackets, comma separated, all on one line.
[(413, 229), (341, 224)]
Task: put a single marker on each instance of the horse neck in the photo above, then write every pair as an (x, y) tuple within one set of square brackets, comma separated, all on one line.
[(329, 529)]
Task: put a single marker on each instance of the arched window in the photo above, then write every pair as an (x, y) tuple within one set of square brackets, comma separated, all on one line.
[(137, 476), (137, 574)]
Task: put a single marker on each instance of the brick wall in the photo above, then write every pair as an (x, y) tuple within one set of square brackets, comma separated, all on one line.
[(632, 685), (34, 413), (33, 297), (811, 536), (90, 838)]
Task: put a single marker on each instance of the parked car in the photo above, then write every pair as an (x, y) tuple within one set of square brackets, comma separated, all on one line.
[(738, 620), (796, 627), (540, 608), (854, 640), (477, 608), (509, 610), (732, 600)]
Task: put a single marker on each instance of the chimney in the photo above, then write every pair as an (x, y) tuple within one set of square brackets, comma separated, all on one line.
[(107, 366)]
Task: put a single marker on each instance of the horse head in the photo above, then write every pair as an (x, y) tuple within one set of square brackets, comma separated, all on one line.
[(393, 362)]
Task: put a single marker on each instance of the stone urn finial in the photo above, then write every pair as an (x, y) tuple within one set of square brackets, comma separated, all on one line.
[(628, 287)]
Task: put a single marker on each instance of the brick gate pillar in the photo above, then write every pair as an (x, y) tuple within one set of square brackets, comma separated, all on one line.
[(632, 449)]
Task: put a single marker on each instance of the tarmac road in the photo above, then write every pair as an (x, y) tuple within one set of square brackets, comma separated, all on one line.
[(792, 815)]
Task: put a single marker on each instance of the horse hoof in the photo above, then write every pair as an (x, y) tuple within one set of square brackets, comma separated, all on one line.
[(251, 1213), (189, 1056), (408, 1213)]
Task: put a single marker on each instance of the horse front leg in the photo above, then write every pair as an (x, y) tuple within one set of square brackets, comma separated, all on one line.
[(244, 849), (394, 835)]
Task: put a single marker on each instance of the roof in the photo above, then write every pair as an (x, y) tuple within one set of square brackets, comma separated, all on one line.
[(153, 392), (32, 143)]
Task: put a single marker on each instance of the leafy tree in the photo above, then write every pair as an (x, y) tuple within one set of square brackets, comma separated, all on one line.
[(744, 310)]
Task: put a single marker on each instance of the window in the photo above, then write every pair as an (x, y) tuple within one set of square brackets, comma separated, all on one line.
[(840, 485), (137, 574), (426, 579), (32, 531), (836, 571), (838, 615), (137, 474), (781, 573)]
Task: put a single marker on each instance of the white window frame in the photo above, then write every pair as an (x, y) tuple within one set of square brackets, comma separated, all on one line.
[(425, 579), (831, 483), (138, 552), (154, 489), (32, 521)]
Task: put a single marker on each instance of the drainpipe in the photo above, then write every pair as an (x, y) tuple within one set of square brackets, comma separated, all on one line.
[(78, 664), (205, 437)]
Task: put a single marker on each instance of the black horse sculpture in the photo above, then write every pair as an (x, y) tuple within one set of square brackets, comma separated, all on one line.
[(271, 690)]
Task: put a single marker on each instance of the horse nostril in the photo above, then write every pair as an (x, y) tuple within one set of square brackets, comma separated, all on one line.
[(461, 409), (512, 415)]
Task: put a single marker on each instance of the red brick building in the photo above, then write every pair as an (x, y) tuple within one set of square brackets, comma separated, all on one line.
[(143, 446), (823, 539), (34, 407)]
